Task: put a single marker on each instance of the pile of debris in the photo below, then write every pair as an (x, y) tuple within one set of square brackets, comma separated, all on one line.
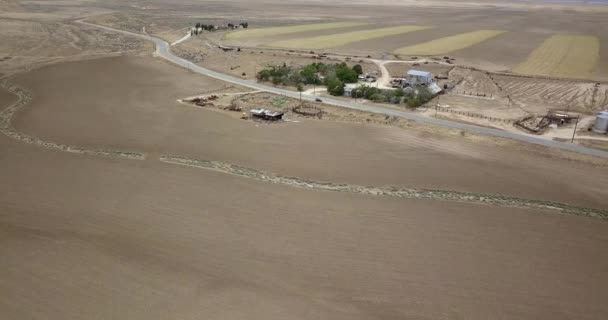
[(204, 101), (236, 105), (538, 124), (533, 124), (308, 111), (267, 115), (559, 118)]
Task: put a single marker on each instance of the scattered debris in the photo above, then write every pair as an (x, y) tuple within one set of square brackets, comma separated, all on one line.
[(265, 114), (204, 101), (308, 111)]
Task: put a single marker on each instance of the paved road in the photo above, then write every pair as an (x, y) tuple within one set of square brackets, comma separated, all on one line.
[(163, 50)]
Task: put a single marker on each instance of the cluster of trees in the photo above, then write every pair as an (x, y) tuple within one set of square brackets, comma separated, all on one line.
[(334, 75), (198, 27), (413, 98), (335, 78), (280, 74), (201, 26)]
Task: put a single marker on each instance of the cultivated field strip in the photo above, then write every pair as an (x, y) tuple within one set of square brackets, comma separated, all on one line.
[(570, 56), (442, 195), (342, 39), (451, 43), (24, 97), (267, 32)]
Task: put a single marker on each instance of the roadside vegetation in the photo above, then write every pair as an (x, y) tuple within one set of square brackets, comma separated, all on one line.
[(334, 76), (412, 97)]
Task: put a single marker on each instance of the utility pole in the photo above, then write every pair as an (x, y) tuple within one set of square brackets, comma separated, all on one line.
[(574, 132)]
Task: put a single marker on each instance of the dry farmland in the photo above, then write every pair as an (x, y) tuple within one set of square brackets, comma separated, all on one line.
[(449, 44), (569, 56), (342, 39), (121, 201), (122, 228), (267, 32)]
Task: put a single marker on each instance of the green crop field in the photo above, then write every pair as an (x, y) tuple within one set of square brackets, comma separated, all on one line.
[(341, 39), (266, 32), (449, 44), (572, 56)]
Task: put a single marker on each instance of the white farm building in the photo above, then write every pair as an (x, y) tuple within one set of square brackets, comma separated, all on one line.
[(416, 77)]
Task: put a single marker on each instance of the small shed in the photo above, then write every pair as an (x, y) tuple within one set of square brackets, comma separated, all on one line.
[(417, 77), (348, 89)]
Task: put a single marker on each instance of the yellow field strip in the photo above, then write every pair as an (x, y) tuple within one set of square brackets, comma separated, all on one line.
[(572, 56), (341, 39), (449, 44), (265, 32)]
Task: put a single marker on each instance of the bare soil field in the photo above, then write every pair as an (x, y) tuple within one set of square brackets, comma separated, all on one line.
[(289, 220), (143, 240), (400, 69), (116, 116), (24, 45), (6, 98)]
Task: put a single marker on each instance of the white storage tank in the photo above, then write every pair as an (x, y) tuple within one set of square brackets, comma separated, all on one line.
[(601, 122)]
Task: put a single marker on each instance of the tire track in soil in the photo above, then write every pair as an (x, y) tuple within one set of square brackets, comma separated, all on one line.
[(404, 193)]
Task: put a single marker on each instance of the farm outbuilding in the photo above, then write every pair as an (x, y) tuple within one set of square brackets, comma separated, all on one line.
[(416, 77), (601, 122)]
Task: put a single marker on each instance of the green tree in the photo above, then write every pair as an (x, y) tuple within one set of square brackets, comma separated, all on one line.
[(346, 74), (335, 87), (358, 69)]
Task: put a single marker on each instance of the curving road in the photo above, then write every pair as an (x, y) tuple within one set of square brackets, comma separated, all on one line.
[(163, 50)]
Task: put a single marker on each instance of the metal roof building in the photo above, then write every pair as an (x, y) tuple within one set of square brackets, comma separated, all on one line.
[(419, 77)]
